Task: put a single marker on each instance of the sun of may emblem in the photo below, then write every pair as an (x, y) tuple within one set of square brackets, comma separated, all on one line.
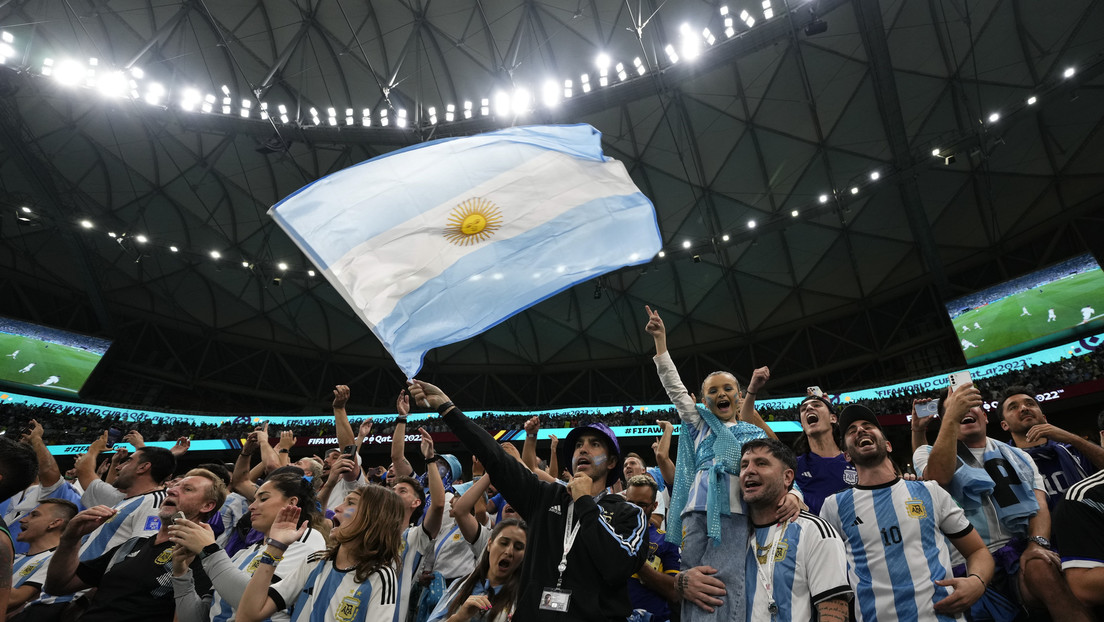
[(473, 221)]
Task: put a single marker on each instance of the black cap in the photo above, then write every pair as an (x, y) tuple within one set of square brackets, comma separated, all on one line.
[(856, 412)]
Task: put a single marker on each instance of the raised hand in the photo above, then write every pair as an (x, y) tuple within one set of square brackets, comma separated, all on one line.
[(251, 444), (759, 378), (426, 395), (579, 485), (287, 439), (341, 396), (183, 444), (191, 535), (532, 426), (365, 428), (655, 326), (181, 559), (87, 521), (427, 444), (286, 529), (402, 404), (555, 441), (134, 437), (262, 433)]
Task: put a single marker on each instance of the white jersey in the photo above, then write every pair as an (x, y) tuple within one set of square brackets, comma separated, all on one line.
[(344, 487), (809, 566), (100, 492), (984, 519), (231, 580), (137, 517), (415, 543), (30, 569), (450, 554), (235, 507), (318, 592), (896, 549)]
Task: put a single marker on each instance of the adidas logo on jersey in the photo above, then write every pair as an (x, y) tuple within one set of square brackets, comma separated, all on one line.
[(858, 521), (808, 474), (555, 510)]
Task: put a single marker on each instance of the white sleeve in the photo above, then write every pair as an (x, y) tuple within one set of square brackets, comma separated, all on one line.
[(676, 391), (382, 606), (829, 511), (920, 459), (293, 579), (480, 543), (948, 514), (100, 492), (825, 561), (1040, 484)]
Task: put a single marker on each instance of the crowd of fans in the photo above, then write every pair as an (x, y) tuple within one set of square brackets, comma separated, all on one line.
[(64, 425)]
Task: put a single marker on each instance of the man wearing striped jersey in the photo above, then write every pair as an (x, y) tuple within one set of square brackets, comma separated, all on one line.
[(41, 530), (893, 532), (1003, 495), (796, 567), (135, 496), (1079, 535)]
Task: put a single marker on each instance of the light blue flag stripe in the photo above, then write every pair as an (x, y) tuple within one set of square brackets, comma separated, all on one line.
[(587, 241), (321, 210)]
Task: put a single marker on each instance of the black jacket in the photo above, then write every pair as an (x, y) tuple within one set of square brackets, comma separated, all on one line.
[(611, 545)]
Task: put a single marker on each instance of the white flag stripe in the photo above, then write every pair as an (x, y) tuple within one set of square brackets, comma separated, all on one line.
[(404, 258)]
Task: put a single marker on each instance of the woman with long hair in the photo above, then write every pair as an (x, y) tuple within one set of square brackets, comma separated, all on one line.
[(490, 591), (356, 578), (230, 574)]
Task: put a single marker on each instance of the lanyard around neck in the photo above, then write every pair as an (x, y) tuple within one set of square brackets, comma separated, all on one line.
[(766, 576), (569, 540)]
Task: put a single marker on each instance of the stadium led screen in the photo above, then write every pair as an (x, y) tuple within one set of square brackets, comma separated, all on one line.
[(1061, 302), (47, 359)]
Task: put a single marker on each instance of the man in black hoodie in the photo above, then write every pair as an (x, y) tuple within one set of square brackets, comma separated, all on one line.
[(606, 538)]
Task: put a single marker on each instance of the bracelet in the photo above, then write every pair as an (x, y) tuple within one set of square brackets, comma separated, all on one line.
[(400, 419), (276, 544), (284, 451), (265, 558), (444, 408), (974, 574), (433, 458)]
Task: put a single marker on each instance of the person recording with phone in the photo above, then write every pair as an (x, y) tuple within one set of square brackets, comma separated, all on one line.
[(1002, 493), (134, 579)]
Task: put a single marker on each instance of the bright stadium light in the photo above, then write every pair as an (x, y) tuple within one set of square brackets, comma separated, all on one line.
[(87, 224), (216, 255)]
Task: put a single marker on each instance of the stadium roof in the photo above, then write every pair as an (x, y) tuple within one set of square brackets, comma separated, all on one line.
[(981, 120)]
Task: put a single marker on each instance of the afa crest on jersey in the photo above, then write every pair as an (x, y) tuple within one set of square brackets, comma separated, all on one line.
[(915, 508), (165, 557), (346, 611)]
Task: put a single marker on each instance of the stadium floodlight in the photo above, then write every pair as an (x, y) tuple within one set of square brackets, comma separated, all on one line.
[(1068, 73), (141, 239), (245, 264), (7, 37), (935, 152), (751, 224), (174, 249), (671, 54), (155, 92), (432, 115), (246, 107), (1031, 100), (621, 73), (994, 117), (310, 273), (349, 120), (854, 189), (111, 234), (691, 45), (708, 36), (331, 116), (584, 81), (568, 91), (226, 105), (282, 266), (639, 64), (724, 238), (314, 116), (467, 109), (550, 93), (724, 10), (686, 244), (87, 224), (823, 198), (208, 103), (875, 175), (264, 110), (794, 213), (225, 90), (137, 73), (25, 209), (69, 72), (216, 255), (501, 103), (485, 106), (366, 117), (768, 12), (602, 61), (282, 109), (401, 121), (662, 254), (384, 121), (112, 84), (47, 66), (450, 113)]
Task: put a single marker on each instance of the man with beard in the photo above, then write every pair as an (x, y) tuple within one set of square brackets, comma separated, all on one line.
[(894, 531), (1003, 495), (136, 497), (795, 567), (1063, 458)]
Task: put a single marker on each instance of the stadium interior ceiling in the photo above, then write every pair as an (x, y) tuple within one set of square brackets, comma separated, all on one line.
[(820, 192)]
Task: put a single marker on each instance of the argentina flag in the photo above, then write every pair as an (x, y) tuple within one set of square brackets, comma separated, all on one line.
[(438, 242)]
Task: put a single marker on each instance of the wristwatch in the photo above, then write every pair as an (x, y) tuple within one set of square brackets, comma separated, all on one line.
[(1041, 541), (433, 458), (208, 550)]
